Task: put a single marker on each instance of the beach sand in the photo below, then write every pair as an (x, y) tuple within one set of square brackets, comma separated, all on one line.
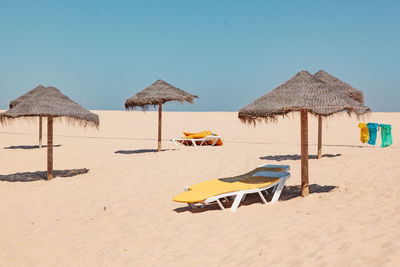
[(121, 212)]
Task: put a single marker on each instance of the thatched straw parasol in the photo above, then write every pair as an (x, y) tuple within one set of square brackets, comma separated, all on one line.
[(51, 103), (157, 94), (304, 93), (24, 97), (339, 86)]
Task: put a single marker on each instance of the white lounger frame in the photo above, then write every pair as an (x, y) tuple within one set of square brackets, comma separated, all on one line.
[(239, 196), (213, 138)]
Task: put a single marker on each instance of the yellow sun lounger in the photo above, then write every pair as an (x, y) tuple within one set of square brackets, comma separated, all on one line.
[(199, 139), (256, 181)]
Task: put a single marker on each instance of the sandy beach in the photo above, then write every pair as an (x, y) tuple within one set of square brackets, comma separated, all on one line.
[(121, 212)]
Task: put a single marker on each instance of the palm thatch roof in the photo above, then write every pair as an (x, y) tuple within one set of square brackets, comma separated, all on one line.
[(49, 101), (27, 95), (353, 93), (158, 91), (301, 92)]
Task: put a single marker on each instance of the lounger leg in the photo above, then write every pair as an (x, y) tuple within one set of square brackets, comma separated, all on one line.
[(194, 142), (214, 142), (193, 206), (237, 201), (220, 204), (278, 190), (274, 188), (264, 193), (262, 197)]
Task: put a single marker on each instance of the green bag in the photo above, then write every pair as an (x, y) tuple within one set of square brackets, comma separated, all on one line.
[(386, 134)]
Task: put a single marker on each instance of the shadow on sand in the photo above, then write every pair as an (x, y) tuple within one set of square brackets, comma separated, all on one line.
[(293, 191), (288, 193), (40, 175), (352, 146), (27, 147), (297, 157), (140, 151)]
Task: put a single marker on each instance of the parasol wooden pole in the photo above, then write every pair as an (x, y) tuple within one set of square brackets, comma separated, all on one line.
[(319, 136), (304, 153), (49, 148), (40, 131), (159, 124)]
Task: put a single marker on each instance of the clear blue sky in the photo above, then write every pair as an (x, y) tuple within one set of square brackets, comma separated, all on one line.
[(228, 52)]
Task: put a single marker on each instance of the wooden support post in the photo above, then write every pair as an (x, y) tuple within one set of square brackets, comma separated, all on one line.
[(159, 124), (319, 136), (49, 148), (304, 153), (40, 131)]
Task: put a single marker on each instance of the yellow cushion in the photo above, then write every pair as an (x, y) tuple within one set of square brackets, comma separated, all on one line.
[(197, 135), (204, 190)]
